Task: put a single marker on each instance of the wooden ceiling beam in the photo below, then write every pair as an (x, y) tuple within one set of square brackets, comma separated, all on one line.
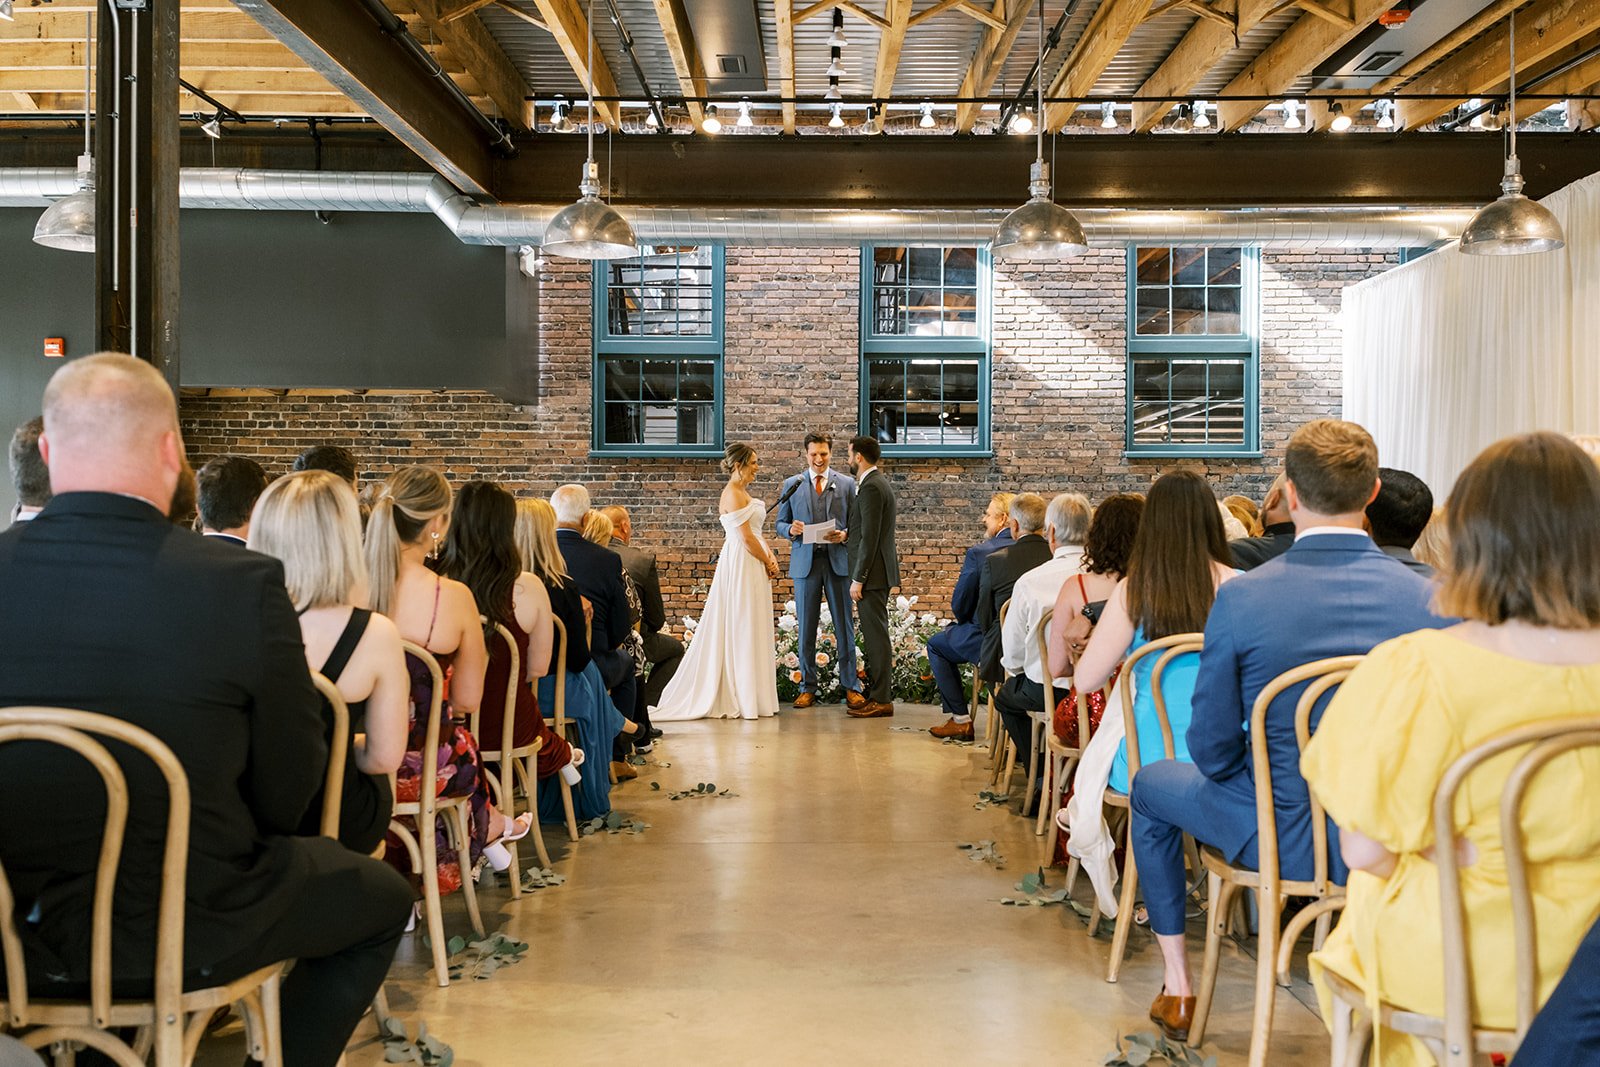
[(66, 80), (686, 62), (39, 24), (568, 24), (1192, 58), (512, 9), (785, 27), (480, 55), (1113, 22), (989, 60), (1579, 81), (890, 43), (462, 8), (236, 55), (1443, 47), (1543, 29), (253, 105), (1307, 42)]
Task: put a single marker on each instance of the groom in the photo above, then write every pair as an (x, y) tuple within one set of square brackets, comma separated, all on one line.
[(817, 496), (874, 571)]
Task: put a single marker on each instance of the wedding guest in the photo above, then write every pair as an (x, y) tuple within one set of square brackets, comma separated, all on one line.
[(1277, 532), (874, 573), (662, 651), (1524, 574), (309, 522), (29, 476), (331, 458), (962, 641), (1567, 1029), (1247, 511), (1000, 573), (480, 552), (1334, 593), (597, 530), (196, 643), (1399, 514), (1232, 528), (587, 703), (1433, 544), (407, 526), (1066, 525), (227, 489)]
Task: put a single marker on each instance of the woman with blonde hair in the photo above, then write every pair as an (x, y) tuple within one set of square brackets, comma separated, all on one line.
[(409, 519), (311, 523), (1433, 544), (1524, 575)]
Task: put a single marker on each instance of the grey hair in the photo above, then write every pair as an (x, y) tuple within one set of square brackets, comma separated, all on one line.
[(1069, 515), (1027, 510), (571, 503)]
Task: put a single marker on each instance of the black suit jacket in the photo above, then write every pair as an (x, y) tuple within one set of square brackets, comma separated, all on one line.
[(641, 567), (1251, 552), (105, 606), (1000, 573), (597, 572), (873, 560)]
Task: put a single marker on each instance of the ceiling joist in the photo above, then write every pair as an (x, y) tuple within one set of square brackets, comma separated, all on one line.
[(1113, 22), (784, 14), (691, 71), (1306, 43), (989, 61), (477, 51), (890, 44), (570, 28)]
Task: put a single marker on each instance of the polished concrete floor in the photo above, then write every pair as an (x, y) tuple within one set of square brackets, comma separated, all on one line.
[(822, 914)]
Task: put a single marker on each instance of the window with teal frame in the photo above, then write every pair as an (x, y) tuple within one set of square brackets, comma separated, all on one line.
[(925, 347), (658, 352), (1193, 351)]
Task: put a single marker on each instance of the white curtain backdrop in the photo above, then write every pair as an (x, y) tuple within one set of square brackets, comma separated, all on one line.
[(1447, 354)]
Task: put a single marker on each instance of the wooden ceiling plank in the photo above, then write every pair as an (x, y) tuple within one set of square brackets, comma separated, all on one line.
[(975, 12), (1578, 81), (785, 27), (480, 54), (37, 24), (253, 105), (937, 9), (1325, 11), (679, 36), (1307, 42), (989, 60), (890, 44), (1543, 28), (811, 11), (1113, 22), (568, 24), (862, 13)]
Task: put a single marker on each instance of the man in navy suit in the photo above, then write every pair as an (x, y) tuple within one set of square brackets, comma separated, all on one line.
[(814, 496), (962, 641), (1334, 593)]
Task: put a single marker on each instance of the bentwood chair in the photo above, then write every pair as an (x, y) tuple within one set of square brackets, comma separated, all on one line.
[(1042, 726), (562, 726), (338, 750), (1225, 880), (1002, 753), (1170, 647), (512, 762), (172, 1020), (1453, 1039), (428, 809)]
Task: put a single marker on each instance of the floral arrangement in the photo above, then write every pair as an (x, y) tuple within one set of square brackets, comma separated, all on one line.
[(908, 634)]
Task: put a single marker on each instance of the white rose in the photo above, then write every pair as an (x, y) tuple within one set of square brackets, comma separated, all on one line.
[(690, 624), (789, 607), (787, 623), (902, 603)]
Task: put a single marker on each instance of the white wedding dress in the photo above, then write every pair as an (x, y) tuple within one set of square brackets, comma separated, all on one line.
[(730, 669)]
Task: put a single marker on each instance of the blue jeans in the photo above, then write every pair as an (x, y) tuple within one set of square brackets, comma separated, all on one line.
[(947, 651), (1171, 798), (1566, 1031)]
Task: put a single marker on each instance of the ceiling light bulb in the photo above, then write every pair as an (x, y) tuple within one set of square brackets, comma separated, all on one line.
[(835, 69), (212, 127), (1291, 115), (650, 119), (1202, 121), (1339, 122), (927, 121), (833, 90), (838, 40), (1108, 116), (1022, 122), (1492, 120), (1385, 109), (561, 118), (711, 123), (837, 120), (6, 12), (744, 114), (1183, 123)]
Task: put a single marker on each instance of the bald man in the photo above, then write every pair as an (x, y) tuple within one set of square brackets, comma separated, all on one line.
[(108, 607)]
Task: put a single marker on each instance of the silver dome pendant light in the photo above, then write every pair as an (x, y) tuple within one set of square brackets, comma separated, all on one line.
[(590, 228), (1040, 230), (68, 223), (1513, 225)]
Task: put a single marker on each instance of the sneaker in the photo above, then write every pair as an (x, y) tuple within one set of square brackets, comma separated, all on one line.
[(642, 747)]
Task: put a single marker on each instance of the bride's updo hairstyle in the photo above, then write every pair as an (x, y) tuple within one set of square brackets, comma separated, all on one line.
[(408, 501), (735, 456)]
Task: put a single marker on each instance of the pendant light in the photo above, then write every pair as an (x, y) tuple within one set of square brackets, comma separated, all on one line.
[(1041, 229), (68, 223), (1513, 225), (591, 228)]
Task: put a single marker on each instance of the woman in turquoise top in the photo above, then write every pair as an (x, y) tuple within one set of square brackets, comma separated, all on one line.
[(1179, 559)]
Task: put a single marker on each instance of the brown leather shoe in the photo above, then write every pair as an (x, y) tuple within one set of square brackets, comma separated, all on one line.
[(1173, 1015), (853, 699), (869, 710), (805, 700), (961, 731), (623, 772)]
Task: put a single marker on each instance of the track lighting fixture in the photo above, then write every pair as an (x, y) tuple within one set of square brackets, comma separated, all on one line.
[(650, 119), (744, 114), (1202, 121), (1385, 113), (1108, 116), (1185, 121), (561, 117), (927, 121), (1022, 122), (838, 40), (833, 90), (1338, 121), (1291, 115), (835, 69), (837, 121), (6, 12), (212, 127), (712, 123)]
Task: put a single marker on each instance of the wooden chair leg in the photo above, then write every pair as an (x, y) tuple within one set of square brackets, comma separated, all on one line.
[(1038, 760), (429, 870), (1218, 895), (380, 1011), (272, 1020), (1119, 939), (464, 849), (530, 785), (1266, 986), (570, 812), (1056, 785), (505, 797)]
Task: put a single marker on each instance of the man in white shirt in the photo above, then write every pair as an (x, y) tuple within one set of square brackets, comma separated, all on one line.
[(1066, 525), (29, 476)]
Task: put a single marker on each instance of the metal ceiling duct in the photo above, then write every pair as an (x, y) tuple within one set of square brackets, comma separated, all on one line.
[(514, 224)]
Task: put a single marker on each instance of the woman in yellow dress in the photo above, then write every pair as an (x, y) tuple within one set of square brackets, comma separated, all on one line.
[(1524, 574)]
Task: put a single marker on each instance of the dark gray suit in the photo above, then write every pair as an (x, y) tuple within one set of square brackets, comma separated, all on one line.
[(1000, 573), (874, 564), (663, 651)]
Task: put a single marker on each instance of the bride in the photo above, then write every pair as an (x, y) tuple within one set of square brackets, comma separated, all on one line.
[(730, 669)]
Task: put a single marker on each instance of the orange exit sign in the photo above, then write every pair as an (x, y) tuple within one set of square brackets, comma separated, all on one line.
[(55, 347)]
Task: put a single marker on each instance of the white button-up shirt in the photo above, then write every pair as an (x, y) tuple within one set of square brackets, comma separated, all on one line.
[(1034, 594)]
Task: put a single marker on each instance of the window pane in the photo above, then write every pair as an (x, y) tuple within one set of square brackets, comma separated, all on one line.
[(1154, 266), (926, 266), (960, 424), (960, 313), (961, 382), (1223, 311), (1188, 266), (888, 265), (961, 268), (660, 381), (886, 423), (925, 313), (1226, 381), (622, 425), (889, 311), (660, 424), (886, 380), (696, 424), (1188, 310), (665, 291), (923, 425), (1149, 402), (923, 379), (1223, 266), (1187, 417), (697, 381), (1150, 313), (622, 379)]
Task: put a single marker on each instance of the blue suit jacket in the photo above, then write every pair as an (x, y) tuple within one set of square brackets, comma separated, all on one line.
[(964, 601), (803, 506), (1329, 595)]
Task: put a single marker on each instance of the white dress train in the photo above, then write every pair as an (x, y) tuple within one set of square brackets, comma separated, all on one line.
[(730, 669)]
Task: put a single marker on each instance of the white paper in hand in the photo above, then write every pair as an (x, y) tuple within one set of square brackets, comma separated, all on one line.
[(816, 533)]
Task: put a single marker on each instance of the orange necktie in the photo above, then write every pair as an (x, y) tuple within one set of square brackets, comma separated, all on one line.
[(819, 485)]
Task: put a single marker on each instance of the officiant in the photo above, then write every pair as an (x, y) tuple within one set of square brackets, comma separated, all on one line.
[(820, 564)]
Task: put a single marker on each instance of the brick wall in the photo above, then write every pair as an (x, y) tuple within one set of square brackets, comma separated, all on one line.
[(791, 366)]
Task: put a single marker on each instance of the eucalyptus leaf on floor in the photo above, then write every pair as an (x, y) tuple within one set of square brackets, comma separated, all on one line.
[(1144, 1048), (427, 1049)]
